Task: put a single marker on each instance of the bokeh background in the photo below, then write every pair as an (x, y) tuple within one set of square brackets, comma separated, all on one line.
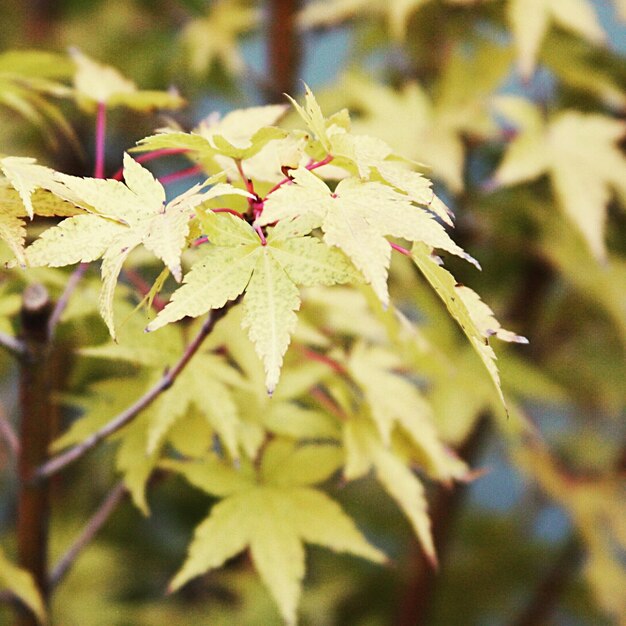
[(527, 543)]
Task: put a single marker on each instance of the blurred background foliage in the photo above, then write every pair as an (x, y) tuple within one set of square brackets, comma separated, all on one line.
[(539, 537)]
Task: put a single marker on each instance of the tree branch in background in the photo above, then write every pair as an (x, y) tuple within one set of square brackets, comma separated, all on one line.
[(283, 49), (549, 590), (73, 454), (417, 598), (94, 524), (36, 424)]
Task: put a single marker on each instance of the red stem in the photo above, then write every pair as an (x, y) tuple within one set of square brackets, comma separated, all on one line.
[(400, 249), (231, 211), (150, 156), (247, 182), (325, 359), (101, 123), (186, 173), (311, 166)]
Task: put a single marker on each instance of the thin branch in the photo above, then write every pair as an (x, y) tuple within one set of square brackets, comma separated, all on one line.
[(93, 526), (311, 166), (400, 249), (12, 344), (63, 301), (64, 459), (8, 434), (186, 173), (549, 590), (150, 156)]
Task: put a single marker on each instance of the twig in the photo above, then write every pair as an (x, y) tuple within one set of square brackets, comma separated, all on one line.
[(12, 344), (94, 524), (186, 173), (8, 434), (550, 588), (65, 458), (63, 301), (150, 156)]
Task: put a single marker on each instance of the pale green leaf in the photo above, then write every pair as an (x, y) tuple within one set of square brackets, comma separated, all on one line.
[(103, 84), (21, 584), (78, 239), (218, 538), (308, 262), (220, 276), (13, 232), (446, 287), (313, 117), (212, 475), (530, 20), (270, 304), (285, 463)]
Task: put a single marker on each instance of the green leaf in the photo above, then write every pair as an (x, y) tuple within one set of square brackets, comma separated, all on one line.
[(285, 516), (131, 214), (103, 84), (364, 450), (21, 584), (477, 322), (579, 152), (270, 304), (530, 20), (356, 217)]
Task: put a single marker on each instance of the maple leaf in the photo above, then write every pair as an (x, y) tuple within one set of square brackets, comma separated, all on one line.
[(394, 401), (215, 142), (364, 451), (398, 13), (133, 213), (288, 512), (237, 262), (417, 131), (216, 36), (26, 78), (580, 153), (102, 84), (206, 387), (530, 20), (20, 202), (356, 217), (474, 316)]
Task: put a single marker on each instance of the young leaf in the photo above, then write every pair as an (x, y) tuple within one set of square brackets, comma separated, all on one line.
[(237, 262), (476, 321), (356, 217), (287, 513)]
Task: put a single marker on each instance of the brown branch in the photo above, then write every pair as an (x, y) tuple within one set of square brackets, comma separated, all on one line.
[(283, 48), (417, 599), (550, 588), (33, 505), (94, 524), (73, 454)]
